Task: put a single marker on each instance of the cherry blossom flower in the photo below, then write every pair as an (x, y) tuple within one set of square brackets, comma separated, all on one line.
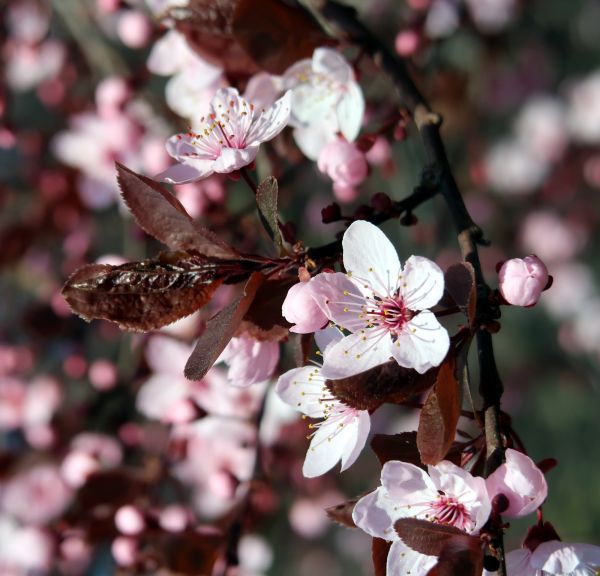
[(554, 558), (229, 139), (342, 433), (23, 549), (326, 100), (384, 306), (521, 481), (447, 495), (583, 116), (250, 361), (522, 280), (346, 165)]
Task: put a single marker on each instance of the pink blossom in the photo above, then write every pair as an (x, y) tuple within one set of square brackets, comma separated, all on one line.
[(345, 164), (129, 520), (28, 21), (229, 139), (255, 555), (384, 306), (173, 518), (250, 361), (554, 558), (407, 42), (447, 495), (29, 66), (522, 280), (36, 495), (492, 15), (583, 116), (23, 549), (326, 100), (521, 481), (134, 29), (301, 309), (125, 550), (12, 400), (111, 94)]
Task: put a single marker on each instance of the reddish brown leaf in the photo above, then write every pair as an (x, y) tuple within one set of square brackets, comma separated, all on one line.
[(379, 551), (460, 285), (401, 447), (161, 215), (388, 382), (143, 296), (219, 331), (427, 537), (276, 47), (265, 311), (266, 200), (439, 415), (460, 555), (342, 513)]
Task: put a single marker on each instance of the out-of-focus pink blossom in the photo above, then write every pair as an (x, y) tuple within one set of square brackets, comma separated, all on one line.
[(250, 361), (75, 554), (103, 374), (111, 94), (129, 520), (77, 467), (522, 280), (442, 18), (28, 21), (407, 42), (255, 555), (552, 238), (584, 109), (173, 518), (12, 400), (102, 447), (28, 66), (125, 550), (521, 481), (23, 549), (194, 80), (380, 154), (196, 196), (302, 310), (492, 15), (36, 495), (346, 165), (308, 517), (326, 100), (134, 29)]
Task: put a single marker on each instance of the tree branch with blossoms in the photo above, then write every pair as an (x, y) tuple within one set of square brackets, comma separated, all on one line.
[(366, 323)]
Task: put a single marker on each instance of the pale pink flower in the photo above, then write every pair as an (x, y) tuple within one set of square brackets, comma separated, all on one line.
[(302, 310), (111, 94), (129, 520), (36, 495), (522, 280), (194, 80), (492, 15), (442, 19), (308, 516), (326, 100), (13, 392), (134, 28), (407, 42), (250, 361), (384, 306), (554, 558), (345, 164), (583, 115), (447, 495), (28, 66), (173, 518), (229, 139), (125, 550), (342, 433), (23, 549), (521, 481), (255, 555)]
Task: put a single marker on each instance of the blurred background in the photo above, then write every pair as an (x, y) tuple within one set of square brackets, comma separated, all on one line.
[(83, 431)]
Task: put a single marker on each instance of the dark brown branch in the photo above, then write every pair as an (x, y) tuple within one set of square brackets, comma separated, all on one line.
[(469, 234)]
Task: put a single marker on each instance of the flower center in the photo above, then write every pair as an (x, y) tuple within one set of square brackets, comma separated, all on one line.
[(391, 314), (448, 510)]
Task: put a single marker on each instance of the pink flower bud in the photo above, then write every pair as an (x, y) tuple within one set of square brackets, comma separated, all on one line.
[(523, 280), (345, 164), (302, 310), (129, 520)]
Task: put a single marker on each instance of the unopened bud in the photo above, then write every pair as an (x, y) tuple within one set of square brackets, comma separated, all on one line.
[(522, 280)]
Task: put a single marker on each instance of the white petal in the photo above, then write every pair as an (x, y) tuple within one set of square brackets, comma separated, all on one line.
[(354, 355), (370, 258), (360, 428), (403, 560), (518, 562), (327, 336), (423, 284), (159, 393), (339, 299), (328, 447), (271, 121), (312, 138), (332, 64), (232, 159), (168, 54), (423, 344), (262, 89), (168, 355), (557, 557), (303, 388), (373, 513), (406, 484), (350, 111), (313, 102), (181, 173)]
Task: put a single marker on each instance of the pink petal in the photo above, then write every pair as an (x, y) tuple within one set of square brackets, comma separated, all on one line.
[(272, 121), (374, 513), (181, 173), (404, 560), (406, 483), (232, 159), (303, 388), (300, 308)]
